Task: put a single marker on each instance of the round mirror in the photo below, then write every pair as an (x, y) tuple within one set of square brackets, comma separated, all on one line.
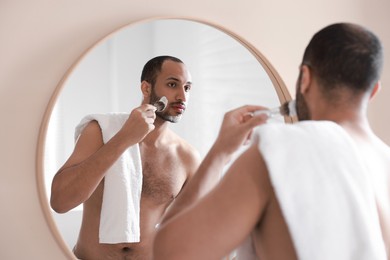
[(226, 73)]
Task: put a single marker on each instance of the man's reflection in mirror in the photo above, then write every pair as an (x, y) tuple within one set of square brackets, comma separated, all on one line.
[(126, 169)]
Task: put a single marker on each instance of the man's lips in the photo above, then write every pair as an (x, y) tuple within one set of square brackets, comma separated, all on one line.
[(178, 107)]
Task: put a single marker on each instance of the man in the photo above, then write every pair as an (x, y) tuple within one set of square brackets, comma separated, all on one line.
[(318, 189), (168, 162)]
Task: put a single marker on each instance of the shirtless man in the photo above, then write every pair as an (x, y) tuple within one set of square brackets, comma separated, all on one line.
[(168, 162), (339, 74)]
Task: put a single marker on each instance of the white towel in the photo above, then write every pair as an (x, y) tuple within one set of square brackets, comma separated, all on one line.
[(323, 189), (246, 251), (120, 214)]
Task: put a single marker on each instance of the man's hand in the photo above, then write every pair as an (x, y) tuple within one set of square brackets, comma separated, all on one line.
[(237, 127), (140, 123)]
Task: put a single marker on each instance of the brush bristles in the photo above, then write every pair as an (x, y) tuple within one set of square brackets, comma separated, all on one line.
[(161, 104), (288, 108)]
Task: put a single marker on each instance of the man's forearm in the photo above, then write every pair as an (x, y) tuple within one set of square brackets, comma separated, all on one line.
[(205, 179)]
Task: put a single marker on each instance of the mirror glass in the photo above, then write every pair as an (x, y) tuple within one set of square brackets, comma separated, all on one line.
[(225, 75)]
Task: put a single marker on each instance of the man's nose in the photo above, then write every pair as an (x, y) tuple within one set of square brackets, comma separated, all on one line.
[(181, 94)]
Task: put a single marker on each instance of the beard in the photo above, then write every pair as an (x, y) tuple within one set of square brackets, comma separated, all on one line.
[(164, 115), (303, 112)]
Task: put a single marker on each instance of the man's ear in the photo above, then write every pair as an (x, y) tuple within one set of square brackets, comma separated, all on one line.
[(146, 88), (375, 90), (306, 78)]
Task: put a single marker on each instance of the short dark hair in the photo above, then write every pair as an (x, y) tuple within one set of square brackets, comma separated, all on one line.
[(345, 55), (153, 67)]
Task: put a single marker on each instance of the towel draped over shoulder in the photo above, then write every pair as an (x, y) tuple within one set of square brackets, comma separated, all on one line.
[(324, 190), (120, 213)]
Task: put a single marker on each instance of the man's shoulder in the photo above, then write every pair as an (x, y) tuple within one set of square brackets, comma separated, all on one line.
[(109, 123), (184, 148), (105, 117)]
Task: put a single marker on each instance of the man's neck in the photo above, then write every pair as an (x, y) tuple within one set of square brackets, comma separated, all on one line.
[(154, 137), (353, 121), (348, 110)]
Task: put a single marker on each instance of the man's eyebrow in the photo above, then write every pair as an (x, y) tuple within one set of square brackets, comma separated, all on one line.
[(173, 78), (176, 79)]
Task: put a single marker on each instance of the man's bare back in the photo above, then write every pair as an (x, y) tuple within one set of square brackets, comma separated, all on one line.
[(165, 170), (376, 155), (271, 237)]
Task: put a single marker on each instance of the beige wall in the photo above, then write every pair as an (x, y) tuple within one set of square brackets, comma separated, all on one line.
[(41, 39)]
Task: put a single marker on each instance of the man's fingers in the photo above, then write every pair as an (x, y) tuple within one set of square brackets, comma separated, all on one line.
[(255, 120), (149, 114)]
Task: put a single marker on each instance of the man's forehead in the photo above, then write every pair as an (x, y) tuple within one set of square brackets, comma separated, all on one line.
[(171, 70)]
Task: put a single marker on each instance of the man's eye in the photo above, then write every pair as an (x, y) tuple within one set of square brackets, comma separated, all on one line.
[(187, 88), (172, 84)]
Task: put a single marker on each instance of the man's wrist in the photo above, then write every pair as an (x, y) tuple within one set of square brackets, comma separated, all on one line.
[(218, 152)]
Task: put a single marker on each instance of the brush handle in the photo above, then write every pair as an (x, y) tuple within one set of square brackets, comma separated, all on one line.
[(269, 112)]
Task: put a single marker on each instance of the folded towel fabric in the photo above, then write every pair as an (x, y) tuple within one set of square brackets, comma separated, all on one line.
[(120, 214), (324, 190)]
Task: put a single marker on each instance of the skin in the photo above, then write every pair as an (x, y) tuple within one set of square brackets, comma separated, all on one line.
[(167, 161), (226, 216)]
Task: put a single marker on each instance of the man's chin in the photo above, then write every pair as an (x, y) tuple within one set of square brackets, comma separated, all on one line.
[(169, 118)]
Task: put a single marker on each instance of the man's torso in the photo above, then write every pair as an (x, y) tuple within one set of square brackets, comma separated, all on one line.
[(164, 174)]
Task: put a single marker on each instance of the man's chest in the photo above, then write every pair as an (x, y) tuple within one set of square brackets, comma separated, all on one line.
[(163, 176)]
